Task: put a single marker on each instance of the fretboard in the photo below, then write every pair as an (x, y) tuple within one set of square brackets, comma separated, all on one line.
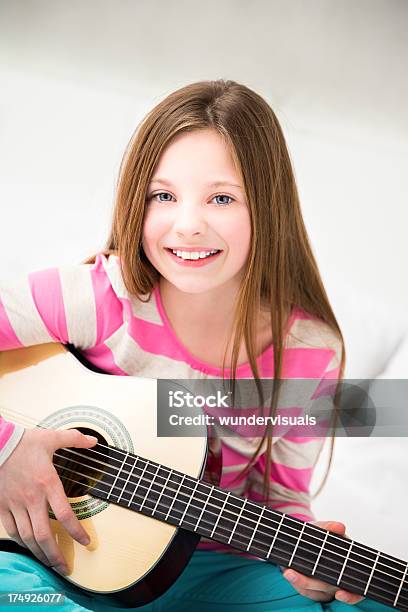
[(189, 503)]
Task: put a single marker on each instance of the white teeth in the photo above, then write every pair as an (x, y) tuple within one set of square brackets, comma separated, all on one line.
[(194, 254)]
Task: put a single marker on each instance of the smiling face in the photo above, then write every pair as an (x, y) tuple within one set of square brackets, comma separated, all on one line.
[(196, 202)]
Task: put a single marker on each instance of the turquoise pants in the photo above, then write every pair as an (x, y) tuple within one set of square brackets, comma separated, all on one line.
[(216, 582)]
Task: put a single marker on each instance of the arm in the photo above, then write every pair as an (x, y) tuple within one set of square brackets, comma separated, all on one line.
[(74, 304), (22, 323)]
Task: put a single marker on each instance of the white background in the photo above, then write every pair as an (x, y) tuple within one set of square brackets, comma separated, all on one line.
[(77, 77)]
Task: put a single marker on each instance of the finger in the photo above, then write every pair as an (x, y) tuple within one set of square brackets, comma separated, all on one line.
[(315, 595), (10, 526), (26, 534), (347, 597), (334, 526), (44, 537), (64, 513), (311, 587), (67, 438), (300, 581)]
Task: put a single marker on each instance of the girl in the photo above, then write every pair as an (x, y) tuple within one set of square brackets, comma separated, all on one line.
[(207, 175)]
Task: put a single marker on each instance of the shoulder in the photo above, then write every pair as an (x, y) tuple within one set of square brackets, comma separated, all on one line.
[(108, 269)]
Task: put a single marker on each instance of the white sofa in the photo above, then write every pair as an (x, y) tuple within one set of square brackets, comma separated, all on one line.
[(367, 488)]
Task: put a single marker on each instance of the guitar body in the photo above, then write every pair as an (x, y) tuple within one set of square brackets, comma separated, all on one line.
[(132, 558)]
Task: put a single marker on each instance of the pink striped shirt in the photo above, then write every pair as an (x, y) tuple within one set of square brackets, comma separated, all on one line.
[(88, 306)]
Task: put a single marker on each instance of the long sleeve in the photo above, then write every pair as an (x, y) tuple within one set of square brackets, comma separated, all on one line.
[(70, 304), (294, 457)]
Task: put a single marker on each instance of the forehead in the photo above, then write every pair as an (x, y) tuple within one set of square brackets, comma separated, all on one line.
[(200, 154)]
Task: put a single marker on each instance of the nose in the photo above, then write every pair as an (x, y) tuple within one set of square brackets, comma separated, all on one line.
[(189, 220)]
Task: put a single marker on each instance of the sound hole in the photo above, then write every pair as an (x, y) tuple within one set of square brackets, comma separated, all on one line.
[(80, 469)]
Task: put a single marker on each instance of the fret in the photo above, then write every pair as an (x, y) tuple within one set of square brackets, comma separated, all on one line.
[(175, 497), (275, 536), (359, 568), (371, 574), (388, 574), (170, 506), (219, 517), (256, 527), (244, 530), (345, 562), (220, 514), (400, 586), (292, 545), (297, 544), (195, 507), (341, 563), (236, 522), (128, 478), (189, 502), (306, 557), (162, 491), (158, 498), (150, 486), (205, 504), (320, 553), (117, 476), (140, 478)]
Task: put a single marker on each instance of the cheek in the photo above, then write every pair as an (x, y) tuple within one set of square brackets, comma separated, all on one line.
[(238, 237), (153, 229)]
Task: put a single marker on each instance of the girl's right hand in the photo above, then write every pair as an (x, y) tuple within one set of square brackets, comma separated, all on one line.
[(28, 483)]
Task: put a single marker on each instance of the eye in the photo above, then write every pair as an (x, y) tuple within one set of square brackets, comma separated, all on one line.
[(160, 193), (224, 196)]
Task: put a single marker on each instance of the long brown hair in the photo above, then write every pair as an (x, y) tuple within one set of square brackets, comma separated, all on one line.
[(281, 270)]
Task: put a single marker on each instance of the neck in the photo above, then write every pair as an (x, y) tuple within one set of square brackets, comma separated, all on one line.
[(213, 309)]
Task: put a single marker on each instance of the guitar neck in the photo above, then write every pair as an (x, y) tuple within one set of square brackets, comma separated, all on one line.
[(192, 504)]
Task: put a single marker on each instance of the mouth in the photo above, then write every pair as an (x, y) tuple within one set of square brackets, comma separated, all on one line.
[(196, 261)]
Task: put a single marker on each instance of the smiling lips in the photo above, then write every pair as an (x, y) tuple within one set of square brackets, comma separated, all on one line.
[(198, 260), (192, 249)]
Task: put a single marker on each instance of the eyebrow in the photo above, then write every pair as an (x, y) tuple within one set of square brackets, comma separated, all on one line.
[(165, 181)]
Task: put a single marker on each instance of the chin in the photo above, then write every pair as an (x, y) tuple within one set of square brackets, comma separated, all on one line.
[(191, 286)]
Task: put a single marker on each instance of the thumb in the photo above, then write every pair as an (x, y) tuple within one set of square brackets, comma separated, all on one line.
[(74, 438)]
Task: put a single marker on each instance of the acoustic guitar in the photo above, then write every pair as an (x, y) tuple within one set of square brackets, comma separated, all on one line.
[(145, 501)]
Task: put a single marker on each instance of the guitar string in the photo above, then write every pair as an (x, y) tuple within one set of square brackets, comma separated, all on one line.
[(30, 420), (218, 507), (348, 581), (276, 549), (212, 513), (230, 520), (249, 501), (156, 476)]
